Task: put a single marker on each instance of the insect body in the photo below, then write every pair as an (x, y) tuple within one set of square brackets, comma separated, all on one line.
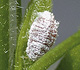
[(42, 35)]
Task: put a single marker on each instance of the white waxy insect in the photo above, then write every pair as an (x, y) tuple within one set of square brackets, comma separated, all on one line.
[(42, 35)]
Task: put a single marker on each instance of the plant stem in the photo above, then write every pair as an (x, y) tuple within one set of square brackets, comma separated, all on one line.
[(4, 37), (34, 7), (19, 16), (56, 53), (13, 29)]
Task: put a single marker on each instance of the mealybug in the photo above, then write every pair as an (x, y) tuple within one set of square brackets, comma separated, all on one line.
[(42, 35)]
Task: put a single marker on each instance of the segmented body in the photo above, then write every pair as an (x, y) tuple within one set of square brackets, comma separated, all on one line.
[(42, 35)]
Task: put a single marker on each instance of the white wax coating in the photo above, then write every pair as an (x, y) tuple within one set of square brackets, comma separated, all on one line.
[(42, 35)]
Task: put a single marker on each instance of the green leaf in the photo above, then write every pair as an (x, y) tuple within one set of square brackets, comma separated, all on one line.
[(33, 7), (4, 37), (56, 53), (71, 60)]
